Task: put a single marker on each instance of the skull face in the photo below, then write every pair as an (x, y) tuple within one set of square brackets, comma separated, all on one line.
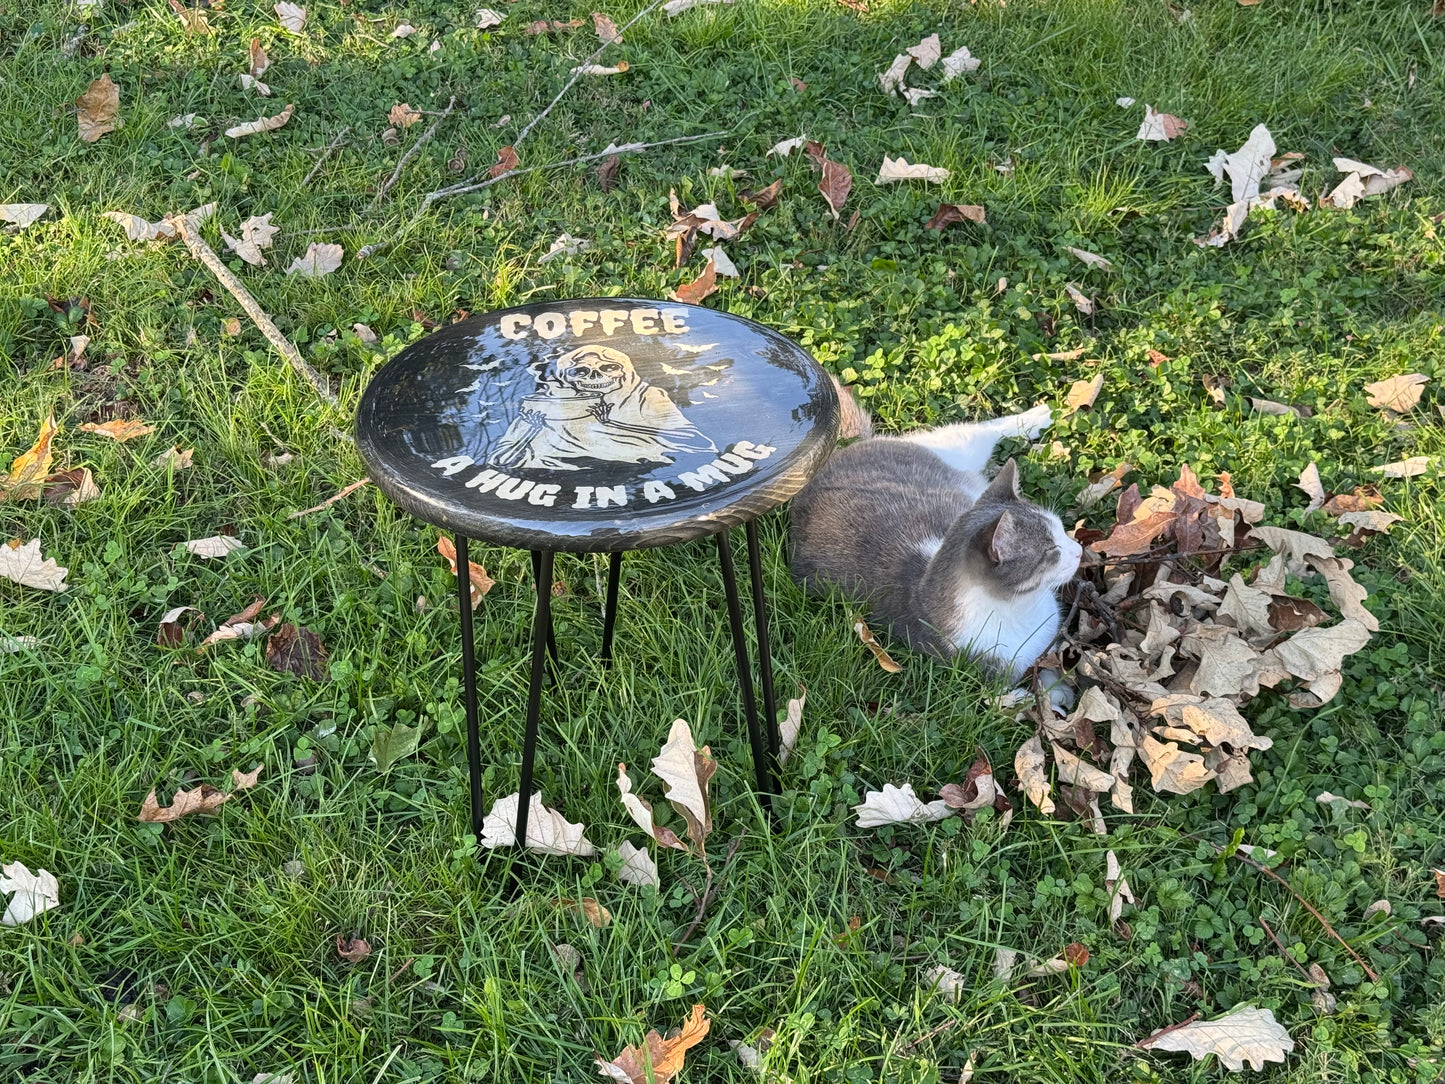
[(596, 370)]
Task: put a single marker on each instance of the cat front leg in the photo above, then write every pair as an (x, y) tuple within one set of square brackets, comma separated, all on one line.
[(968, 446)]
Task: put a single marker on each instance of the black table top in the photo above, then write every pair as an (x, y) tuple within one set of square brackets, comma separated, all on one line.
[(600, 424)]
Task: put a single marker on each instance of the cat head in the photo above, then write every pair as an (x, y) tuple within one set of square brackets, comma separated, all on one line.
[(1015, 547)]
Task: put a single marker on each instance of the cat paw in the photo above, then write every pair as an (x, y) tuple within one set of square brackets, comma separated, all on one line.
[(1032, 423), (1060, 694)]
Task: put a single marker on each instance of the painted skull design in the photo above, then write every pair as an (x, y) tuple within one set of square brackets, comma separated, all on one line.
[(591, 403)]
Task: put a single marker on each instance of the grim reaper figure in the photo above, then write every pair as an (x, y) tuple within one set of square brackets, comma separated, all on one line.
[(590, 403)]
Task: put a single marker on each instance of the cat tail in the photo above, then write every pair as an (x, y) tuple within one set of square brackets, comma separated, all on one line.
[(854, 422)]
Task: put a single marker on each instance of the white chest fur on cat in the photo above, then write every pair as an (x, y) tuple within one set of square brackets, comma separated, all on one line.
[(1012, 634)]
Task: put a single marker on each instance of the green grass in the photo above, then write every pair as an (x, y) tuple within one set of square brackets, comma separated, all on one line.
[(220, 931)]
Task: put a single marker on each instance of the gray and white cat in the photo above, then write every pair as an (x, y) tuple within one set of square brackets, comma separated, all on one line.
[(952, 562)]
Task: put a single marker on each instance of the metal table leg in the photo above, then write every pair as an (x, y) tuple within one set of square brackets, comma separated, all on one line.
[(541, 634), (765, 654), (762, 768), (609, 611), (469, 684), (536, 578)]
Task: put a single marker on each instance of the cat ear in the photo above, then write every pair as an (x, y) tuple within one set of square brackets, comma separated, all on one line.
[(1005, 486), (1004, 540)]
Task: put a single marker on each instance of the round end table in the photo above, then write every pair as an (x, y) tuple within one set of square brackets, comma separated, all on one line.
[(599, 425)]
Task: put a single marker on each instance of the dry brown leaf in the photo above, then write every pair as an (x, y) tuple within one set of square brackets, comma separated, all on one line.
[(1029, 767), (1216, 720), (764, 199), (28, 471), (637, 867), (692, 293), (1159, 127), (1170, 769), (24, 564), (402, 115), (605, 27), (548, 832), (1081, 301), (898, 169), (291, 16), (262, 124), (1117, 887), (299, 651), (641, 813), (949, 213), (68, 488), (169, 632), (1247, 1034), (791, 725), (352, 949), (204, 799), (1089, 259), (1314, 489), (21, 215), (837, 180), (99, 109), (140, 229), (481, 582), (1247, 607), (256, 234), (1371, 520), (1079, 772), (1362, 499), (542, 26), (507, 160), (1082, 393), (871, 642), (658, 1060), (601, 69), (1345, 593), (898, 805), (685, 771), (607, 172), (1398, 393), (119, 430), (1405, 468), (319, 259)]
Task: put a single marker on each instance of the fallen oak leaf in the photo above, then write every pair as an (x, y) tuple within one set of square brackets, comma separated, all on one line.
[(898, 169), (1371, 520), (205, 799), (548, 832), (220, 545), (68, 488), (837, 179), (402, 115), (1397, 393), (949, 213), (637, 867), (24, 564), (21, 215), (658, 1060), (685, 771), (139, 229), (1029, 767), (261, 124), (606, 29), (99, 109), (927, 52), (641, 813), (291, 16), (174, 459), (297, 650), (352, 949), (764, 199), (1159, 127), (256, 234), (898, 805), (1405, 468), (593, 912), (957, 63), (1246, 1034), (693, 293), (507, 160), (1309, 482), (1082, 394), (1089, 259), (34, 893), (169, 632), (318, 260), (1362, 499), (791, 725), (119, 430)]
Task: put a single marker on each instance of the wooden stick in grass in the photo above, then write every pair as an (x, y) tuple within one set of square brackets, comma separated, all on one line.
[(471, 184), (189, 230), (326, 153), (426, 138)]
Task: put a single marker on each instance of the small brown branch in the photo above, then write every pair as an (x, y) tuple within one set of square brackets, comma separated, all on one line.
[(1284, 951), (710, 891), (352, 488), (325, 154), (189, 230), (1305, 904), (471, 184), (426, 138), (908, 1047), (576, 75), (397, 973), (1143, 1044)]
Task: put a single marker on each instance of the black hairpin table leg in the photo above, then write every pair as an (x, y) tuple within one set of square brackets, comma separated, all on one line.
[(762, 766), (536, 579), (765, 654), (469, 684), (609, 611), (541, 630)]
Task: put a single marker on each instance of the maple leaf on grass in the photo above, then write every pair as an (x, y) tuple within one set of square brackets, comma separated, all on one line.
[(658, 1060), (1245, 1035), (34, 893), (24, 564), (548, 832), (205, 799), (25, 479), (99, 109), (481, 583)]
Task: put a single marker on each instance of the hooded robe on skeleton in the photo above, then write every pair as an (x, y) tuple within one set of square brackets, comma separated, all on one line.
[(591, 403)]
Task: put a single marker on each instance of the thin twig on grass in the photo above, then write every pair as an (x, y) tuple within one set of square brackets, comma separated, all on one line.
[(325, 154), (426, 138), (352, 488), (189, 230), (1284, 951), (709, 892), (467, 186), (1302, 902), (577, 74)]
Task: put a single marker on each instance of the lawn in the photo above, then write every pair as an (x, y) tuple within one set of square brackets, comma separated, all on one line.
[(205, 950)]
